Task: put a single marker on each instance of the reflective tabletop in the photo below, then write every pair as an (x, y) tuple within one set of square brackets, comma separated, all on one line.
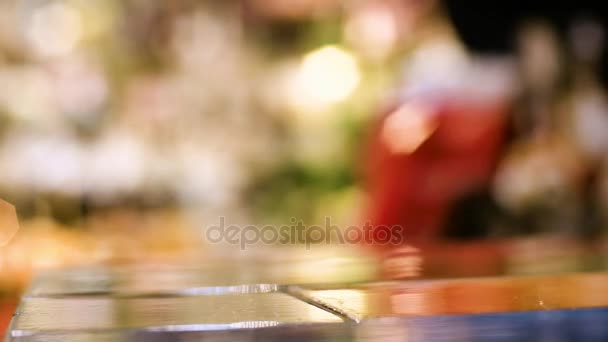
[(332, 299)]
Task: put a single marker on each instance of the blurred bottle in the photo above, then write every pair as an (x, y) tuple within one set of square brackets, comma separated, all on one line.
[(539, 178), (587, 122), (546, 182), (440, 139)]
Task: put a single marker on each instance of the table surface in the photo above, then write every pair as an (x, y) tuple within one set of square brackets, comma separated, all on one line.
[(331, 298)]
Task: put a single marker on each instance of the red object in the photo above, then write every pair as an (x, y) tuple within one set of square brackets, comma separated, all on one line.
[(7, 308), (415, 188)]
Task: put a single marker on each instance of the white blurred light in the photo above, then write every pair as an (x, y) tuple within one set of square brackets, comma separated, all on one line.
[(207, 176), (326, 76), (115, 165), (591, 124), (42, 163), (373, 30), (55, 30), (408, 128), (27, 93), (80, 88), (440, 65)]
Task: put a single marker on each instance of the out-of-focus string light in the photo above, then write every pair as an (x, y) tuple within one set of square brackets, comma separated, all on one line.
[(54, 30), (373, 30), (27, 94), (325, 77), (80, 88)]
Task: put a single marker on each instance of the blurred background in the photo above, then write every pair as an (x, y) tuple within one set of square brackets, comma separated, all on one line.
[(127, 127)]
